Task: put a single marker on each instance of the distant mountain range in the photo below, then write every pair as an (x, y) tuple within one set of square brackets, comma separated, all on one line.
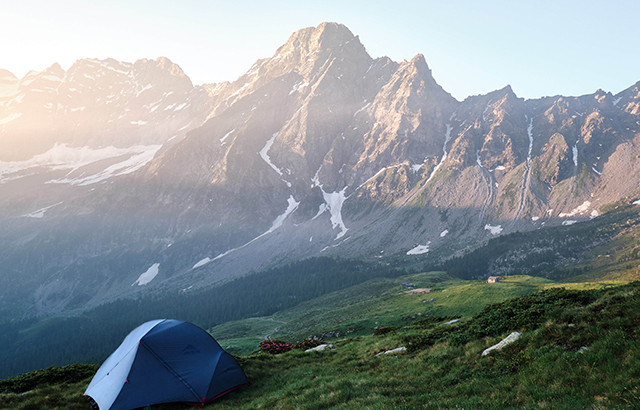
[(117, 178)]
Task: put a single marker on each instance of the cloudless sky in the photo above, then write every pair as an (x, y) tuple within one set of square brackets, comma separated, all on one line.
[(473, 47)]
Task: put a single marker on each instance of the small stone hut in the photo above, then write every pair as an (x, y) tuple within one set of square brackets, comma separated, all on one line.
[(493, 279)]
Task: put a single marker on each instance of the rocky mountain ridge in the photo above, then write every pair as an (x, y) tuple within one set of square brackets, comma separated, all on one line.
[(119, 177)]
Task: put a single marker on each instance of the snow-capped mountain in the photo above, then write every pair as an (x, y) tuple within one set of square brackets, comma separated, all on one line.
[(117, 177)]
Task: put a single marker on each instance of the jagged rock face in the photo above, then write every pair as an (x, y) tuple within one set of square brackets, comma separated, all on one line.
[(318, 150), (629, 101), (97, 103)]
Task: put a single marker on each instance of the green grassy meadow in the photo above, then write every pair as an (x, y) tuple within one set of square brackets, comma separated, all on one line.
[(358, 310), (579, 350)]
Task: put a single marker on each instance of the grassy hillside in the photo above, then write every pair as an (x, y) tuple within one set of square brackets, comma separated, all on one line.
[(358, 310), (604, 248), (579, 349)]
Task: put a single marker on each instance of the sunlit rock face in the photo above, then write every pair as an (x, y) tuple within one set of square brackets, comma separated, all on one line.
[(97, 103), (117, 177)]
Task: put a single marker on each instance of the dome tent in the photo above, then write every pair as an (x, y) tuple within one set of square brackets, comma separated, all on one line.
[(164, 361)]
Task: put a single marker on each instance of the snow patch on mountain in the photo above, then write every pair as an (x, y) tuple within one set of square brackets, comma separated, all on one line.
[(127, 166), (298, 86), (141, 91), (484, 117), (10, 118), (62, 157), (447, 138), (264, 153), (420, 249), (323, 207), (316, 178), (376, 175), (291, 208), (582, 209), (147, 276), (201, 262), (362, 109), (40, 212), (277, 223), (495, 230), (334, 202), (226, 135)]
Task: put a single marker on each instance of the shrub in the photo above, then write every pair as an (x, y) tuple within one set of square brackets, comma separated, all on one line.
[(309, 344), (384, 329), (275, 346), (280, 346), (428, 338), (524, 313)]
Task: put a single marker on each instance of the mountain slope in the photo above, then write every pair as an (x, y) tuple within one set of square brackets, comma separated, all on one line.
[(117, 178)]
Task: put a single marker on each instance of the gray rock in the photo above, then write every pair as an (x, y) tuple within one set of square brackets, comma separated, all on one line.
[(396, 350), (321, 348), (504, 342)]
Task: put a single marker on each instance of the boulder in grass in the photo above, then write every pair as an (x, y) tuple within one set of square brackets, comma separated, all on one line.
[(507, 340), (320, 348), (396, 350)]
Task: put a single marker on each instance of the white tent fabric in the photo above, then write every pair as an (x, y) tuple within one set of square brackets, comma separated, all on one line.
[(115, 369)]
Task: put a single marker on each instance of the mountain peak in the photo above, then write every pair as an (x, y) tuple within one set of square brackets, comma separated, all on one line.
[(316, 39), (162, 67), (332, 34), (165, 63), (419, 60), (418, 65), (422, 67), (507, 91), (54, 69)]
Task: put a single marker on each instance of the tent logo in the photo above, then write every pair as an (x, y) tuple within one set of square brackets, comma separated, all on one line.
[(190, 349)]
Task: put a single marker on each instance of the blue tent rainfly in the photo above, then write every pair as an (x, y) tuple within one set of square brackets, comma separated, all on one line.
[(164, 361)]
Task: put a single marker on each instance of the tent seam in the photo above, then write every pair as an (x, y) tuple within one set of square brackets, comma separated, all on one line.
[(173, 372)]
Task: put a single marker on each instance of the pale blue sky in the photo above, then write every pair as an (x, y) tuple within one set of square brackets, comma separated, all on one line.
[(473, 47)]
